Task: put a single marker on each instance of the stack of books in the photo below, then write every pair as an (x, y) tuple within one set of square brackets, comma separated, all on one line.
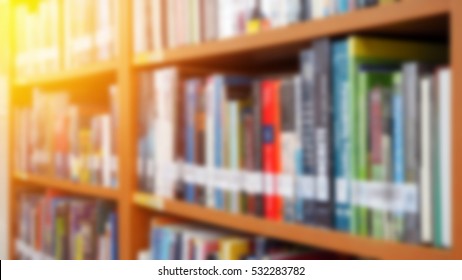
[(161, 24), (65, 228), (179, 241), (88, 29), (37, 36), (359, 140), (68, 141)]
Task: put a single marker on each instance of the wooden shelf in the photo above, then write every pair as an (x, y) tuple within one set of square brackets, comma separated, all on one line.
[(26, 180), (275, 49), (91, 71), (301, 234), (275, 41)]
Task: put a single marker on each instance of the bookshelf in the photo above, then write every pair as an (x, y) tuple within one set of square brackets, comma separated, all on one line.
[(96, 70), (408, 18)]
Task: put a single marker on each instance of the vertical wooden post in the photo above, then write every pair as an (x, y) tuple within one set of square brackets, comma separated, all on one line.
[(127, 139), (456, 68)]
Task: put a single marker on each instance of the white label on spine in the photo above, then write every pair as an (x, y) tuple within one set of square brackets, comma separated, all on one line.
[(307, 184), (286, 185), (255, 182), (269, 183), (322, 189), (341, 188)]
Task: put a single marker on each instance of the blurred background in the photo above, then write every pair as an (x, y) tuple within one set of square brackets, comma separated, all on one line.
[(209, 129), (4, 93)]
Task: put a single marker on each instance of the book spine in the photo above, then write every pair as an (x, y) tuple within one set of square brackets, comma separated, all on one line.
[(200, 126), (298, 157), (269, 147), (218, 125), (324, 186), (398, 148), (210, 140), (445, 92), (427, 151), (287, 149), (234, 152), (308, 137), (190, 145), (411, 99), (257, 148), (341, 133)]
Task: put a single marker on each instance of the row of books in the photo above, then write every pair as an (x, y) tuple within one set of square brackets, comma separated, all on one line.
[(37, 38), (60, 139), (64, 228), (358, 140), (179, 241), (87, 28), (160, 24)]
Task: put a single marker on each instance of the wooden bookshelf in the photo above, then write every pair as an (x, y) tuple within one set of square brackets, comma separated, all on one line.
[(301, 234), (96, 70), (408, 13), (67, 186), (439, 18)]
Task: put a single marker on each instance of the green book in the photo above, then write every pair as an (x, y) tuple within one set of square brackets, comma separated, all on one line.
[(373, 51), (372, 79)]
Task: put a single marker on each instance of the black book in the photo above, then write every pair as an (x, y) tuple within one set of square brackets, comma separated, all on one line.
[(308, 139), (323, 134)]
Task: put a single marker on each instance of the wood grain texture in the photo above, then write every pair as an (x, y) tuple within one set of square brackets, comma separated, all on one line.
[(300, 234)]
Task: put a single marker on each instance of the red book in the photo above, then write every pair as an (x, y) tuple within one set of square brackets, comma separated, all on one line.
[(270, 141)]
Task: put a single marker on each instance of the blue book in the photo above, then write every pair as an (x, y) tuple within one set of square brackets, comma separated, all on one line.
[(154, 240), (114, 236), (341, 134), (398, 163), (192, 87), (219, 100), (342, 6)]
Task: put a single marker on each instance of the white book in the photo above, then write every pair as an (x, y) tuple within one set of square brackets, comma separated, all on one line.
[(165, 84), (172, 22), (234, 153), (210, 140), (139, 14), (445, 126), (157, 27), (426, 217)]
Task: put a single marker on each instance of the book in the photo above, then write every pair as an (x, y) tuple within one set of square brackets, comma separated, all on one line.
[(68, 228)]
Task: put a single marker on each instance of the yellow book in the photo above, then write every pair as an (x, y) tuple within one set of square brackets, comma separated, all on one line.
[(253, 26), (233, 248), (397, 50)]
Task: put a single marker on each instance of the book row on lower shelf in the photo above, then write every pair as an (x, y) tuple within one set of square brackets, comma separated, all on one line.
[(56, 226), (181, 241), (161, 24), (58, 138), (358, 140)]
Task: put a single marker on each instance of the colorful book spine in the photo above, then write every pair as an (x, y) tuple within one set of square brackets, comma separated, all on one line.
[(191, 87), (341, 134), (398, 149), (308, 137), (219, 99), (324, 184)]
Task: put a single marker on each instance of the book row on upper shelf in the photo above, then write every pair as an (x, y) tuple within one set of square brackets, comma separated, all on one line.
[(161, 24), (87, 29), (66, 228), (182, 241), (58, 138), (359, 140)]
